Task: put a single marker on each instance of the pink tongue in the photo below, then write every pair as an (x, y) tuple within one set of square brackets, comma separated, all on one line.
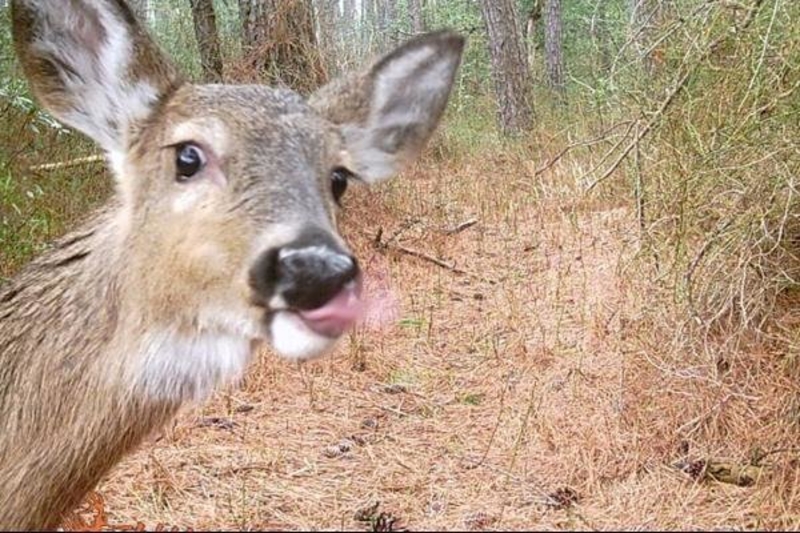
[(336, 316)]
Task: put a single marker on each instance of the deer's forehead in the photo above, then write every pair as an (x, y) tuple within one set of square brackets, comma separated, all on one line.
[(241, 104), (229, 116), (206, 130)]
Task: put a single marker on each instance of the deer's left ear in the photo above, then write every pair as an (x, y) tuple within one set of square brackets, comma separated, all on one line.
[(91, 64), (388, 113)]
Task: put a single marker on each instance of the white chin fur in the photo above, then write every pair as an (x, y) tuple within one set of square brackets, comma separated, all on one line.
[(175, 368), (294, 340)]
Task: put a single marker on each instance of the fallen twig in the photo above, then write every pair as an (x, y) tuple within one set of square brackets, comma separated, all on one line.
[(426, 257), (762, 455), (380, 243), (461, 227), (71, 163), (398, 412), (743, 475)]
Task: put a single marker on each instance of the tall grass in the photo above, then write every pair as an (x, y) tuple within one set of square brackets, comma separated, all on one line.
[(694, 125), (716, 178)]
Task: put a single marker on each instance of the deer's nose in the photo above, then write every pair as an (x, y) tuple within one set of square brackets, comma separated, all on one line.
[(309, 277), (306, 274)]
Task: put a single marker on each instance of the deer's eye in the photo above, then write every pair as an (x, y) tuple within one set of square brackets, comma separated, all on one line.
[(339, 178), (189, 160)]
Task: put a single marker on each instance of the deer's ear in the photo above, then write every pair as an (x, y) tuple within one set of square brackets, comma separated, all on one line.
[(91, 64), (388, 113)]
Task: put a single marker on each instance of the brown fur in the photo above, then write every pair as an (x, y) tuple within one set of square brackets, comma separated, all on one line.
[(86, 371)]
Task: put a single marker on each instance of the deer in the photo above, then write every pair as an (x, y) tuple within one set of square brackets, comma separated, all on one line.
[(220, 238)]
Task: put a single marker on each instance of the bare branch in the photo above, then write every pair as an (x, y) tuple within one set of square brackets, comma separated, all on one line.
[(69, 164)]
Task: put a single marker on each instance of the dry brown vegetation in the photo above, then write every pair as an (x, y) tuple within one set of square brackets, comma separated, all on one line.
[(545, 387), (623, 358)]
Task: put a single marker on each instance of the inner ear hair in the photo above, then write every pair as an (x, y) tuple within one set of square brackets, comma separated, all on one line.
[(92, 65)]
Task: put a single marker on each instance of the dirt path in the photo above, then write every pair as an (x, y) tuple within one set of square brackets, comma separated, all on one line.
[(499, 399)]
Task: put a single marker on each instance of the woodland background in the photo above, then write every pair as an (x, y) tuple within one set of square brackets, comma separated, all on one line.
[(598, 260)]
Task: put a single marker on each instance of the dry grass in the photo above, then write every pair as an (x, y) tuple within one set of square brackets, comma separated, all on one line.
[(543, 389), (714, 164)]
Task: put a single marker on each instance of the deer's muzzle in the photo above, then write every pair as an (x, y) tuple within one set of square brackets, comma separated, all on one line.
[(312, 277)]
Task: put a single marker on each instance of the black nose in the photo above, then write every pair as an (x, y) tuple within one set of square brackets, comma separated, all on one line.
[(306, 273)]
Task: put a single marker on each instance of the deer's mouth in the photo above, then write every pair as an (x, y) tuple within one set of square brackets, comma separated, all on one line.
[(308, 333), (310, 289), (338, 315)]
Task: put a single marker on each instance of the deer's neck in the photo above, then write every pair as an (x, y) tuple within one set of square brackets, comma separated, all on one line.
[(97, 349), (66, 416)]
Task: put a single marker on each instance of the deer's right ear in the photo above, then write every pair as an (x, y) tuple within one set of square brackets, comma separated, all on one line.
[(91, 65)]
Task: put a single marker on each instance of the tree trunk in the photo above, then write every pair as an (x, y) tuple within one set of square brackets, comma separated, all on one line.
[(534, 18), (349, 11), (280, 43), (205, 31), (553, 46), (416, 15), (387, 24), (254, 16), (327, 16), (368, 24), (509, 65), (346, 28)]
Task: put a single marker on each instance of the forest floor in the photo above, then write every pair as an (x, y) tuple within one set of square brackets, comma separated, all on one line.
[(524, 384)]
